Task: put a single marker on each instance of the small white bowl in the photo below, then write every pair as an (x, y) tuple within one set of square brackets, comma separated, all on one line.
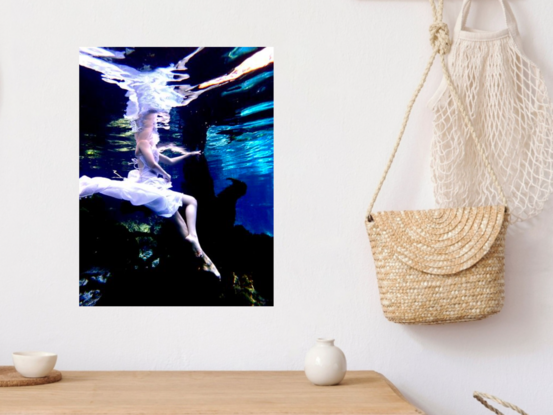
[(34, 364)]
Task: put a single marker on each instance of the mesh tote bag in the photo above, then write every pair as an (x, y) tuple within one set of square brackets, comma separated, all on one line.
[(507, 101), (442, 265)]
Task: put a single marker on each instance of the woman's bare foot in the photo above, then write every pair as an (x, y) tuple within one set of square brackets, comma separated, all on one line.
[(193, 240), (209, 266)]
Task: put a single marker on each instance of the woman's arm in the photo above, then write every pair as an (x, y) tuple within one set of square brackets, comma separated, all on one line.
[(171, 161), (146, 151)]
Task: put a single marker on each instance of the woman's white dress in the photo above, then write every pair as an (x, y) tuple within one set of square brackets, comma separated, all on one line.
[(142, 187)]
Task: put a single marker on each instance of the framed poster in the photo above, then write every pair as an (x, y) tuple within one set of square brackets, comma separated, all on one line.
[(176, 176)]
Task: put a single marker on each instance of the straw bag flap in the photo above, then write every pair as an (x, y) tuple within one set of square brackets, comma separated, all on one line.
[(438, 241)]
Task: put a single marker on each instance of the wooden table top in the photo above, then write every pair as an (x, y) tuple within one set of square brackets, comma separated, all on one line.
[(213, 393)]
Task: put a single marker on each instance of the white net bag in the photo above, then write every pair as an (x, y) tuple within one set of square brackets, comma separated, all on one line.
[(507, 100)]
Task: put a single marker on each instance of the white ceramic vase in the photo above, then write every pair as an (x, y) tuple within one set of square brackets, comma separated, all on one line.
[(325, 364)]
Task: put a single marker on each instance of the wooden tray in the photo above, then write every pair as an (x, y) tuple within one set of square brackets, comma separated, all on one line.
[(10, 377)]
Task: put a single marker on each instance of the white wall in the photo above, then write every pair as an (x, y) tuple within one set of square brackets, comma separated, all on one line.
[(344, 72)]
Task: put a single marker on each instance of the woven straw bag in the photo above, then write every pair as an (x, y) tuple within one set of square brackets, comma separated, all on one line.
[(481, 397), (442, 265)]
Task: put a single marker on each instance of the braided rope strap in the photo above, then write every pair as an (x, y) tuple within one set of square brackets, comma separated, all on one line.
[(441, 45), (481, 397)]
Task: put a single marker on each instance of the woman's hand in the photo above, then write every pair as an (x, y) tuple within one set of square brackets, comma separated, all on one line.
[(172, 161), (166, 176)]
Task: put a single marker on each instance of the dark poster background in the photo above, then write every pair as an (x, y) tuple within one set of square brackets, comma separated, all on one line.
[(129, 255)]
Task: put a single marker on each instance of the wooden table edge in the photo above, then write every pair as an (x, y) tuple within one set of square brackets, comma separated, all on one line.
[(67, 377)]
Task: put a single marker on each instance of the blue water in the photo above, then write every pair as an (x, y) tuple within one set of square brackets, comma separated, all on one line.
[(245, 152), (240, 146)]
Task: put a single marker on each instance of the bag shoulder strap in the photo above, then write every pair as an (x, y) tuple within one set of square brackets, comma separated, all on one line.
[(481, 397), (441, 45)]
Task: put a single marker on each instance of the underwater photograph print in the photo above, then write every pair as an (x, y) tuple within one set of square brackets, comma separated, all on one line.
[(176, 175)]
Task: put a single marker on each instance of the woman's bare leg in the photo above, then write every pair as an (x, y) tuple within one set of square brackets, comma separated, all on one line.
[(187, 228), (190, 213), (180, 224)]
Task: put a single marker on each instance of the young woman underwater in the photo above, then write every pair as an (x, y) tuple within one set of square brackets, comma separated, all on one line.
[(149, 185)]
